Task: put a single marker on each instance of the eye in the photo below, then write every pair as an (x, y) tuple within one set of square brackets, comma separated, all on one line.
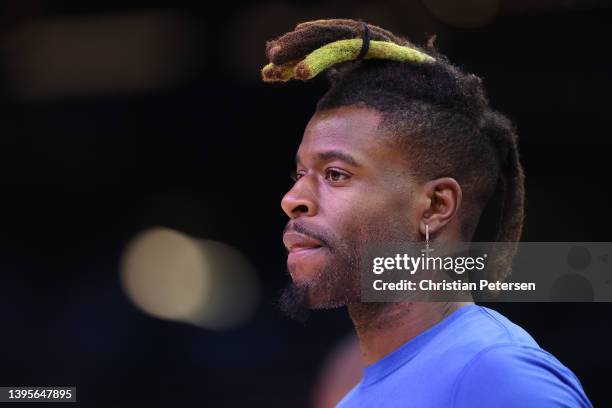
[(336, 175), (296, 175)]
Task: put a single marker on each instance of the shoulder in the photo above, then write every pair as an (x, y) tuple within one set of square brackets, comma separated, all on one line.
[(510, 375), (479, 327)]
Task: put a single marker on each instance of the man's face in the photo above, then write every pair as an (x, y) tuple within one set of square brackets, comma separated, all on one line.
[(353, 187)]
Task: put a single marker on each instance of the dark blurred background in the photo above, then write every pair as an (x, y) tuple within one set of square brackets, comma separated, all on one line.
[(118, 117)]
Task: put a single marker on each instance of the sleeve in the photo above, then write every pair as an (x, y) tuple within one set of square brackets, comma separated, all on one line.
[(516, 376)]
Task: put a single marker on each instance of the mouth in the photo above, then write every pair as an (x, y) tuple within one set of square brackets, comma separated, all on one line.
[(296, 253), (297, 249), (301, 246)]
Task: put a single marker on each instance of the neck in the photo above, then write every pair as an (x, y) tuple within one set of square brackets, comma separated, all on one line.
[(383, 327)]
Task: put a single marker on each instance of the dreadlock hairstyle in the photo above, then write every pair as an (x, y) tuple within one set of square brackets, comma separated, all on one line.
[(428, 106)]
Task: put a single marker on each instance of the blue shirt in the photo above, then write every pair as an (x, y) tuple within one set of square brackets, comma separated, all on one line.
[(473, 358)]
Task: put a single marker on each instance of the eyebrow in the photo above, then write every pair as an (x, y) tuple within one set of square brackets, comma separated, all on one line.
[(334, 154)]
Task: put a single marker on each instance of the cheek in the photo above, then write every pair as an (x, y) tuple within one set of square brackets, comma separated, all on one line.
[(367, 211), (383, 220), (363, 222)]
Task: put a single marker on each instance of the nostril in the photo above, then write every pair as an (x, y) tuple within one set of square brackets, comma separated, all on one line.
[(300, 209)]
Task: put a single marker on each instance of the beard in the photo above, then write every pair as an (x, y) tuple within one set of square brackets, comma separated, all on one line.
[(338, 282), (293, 302)]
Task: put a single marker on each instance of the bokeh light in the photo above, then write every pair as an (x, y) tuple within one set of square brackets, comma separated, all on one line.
[(170, 275)]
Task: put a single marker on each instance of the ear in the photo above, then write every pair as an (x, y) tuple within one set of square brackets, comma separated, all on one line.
[(441, 202)]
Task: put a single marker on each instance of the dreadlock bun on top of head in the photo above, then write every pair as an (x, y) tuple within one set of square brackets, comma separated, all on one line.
[(316, 46), (439, 114), (311, 35)]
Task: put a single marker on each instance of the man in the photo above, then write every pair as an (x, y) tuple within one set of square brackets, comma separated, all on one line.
[(404, 145)]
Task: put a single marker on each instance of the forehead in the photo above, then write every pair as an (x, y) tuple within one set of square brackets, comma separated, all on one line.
[(350, 129)]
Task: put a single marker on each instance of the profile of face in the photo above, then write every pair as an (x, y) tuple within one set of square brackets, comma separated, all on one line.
[(352, 188)]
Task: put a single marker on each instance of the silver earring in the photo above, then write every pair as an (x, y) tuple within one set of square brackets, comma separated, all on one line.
[(427, 249)]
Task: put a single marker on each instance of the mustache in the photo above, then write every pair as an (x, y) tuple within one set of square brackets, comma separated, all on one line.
[(322, 237)]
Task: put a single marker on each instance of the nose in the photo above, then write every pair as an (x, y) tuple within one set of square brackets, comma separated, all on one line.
[(300, 200)]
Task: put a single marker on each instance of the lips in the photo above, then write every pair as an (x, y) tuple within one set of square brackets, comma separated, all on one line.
[(304, 251), (296, 242)]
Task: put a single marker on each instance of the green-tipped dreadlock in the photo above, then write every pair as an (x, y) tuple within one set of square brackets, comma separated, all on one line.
[(318, 57), (432, 109)]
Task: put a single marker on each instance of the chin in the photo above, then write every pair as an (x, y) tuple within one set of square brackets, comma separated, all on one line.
[(306, 271), (324, 283), (303, 276)]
